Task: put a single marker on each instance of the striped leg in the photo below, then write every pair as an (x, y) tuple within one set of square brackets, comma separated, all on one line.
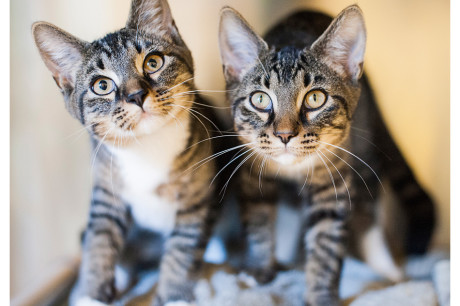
[(184, 253), (325, 238), (258, 212), (103, 241)]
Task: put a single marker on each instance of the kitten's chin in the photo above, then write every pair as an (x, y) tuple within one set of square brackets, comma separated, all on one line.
[(286, 158)]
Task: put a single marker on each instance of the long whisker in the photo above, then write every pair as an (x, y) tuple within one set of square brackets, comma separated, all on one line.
[(330, 174), (260, 173), (177, 120), (267, 77), (234, 171), (367, 187), (210, 138), (98, 147), (231, 161), (252, 164), (346, 187), (362, 137), (308, 173), (191, 113), (169, 89), (205, 105), (354, 155), (213, 156)]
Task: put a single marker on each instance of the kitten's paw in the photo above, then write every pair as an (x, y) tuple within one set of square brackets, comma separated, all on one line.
[(264, 275), (87, 301), (247, 279), (180, 303)]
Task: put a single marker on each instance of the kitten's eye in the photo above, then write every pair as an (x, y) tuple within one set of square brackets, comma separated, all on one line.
[(261, 101), (153, 63), (103, 86), (315, 99)]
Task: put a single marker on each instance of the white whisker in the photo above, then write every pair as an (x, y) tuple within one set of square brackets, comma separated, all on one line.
[(330, 174), (354, 171), (354, 155), (346, 187)]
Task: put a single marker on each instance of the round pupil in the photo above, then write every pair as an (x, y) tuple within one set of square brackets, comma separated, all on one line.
[(153, 63), (103, 85)]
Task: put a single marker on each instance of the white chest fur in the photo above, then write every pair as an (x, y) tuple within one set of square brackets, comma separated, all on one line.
[(144, 166)]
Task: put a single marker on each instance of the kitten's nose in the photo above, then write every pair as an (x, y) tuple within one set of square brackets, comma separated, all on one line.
[(137, 97), (285, 136)]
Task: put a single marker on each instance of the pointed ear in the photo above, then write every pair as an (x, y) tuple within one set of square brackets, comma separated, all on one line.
[(239, 45), (152, 17), (61, 52), (343, 43)]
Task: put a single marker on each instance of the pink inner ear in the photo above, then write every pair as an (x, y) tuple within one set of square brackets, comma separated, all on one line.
[(343, 44)]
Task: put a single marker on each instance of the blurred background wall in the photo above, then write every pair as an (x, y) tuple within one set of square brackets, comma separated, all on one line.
[(407, 60)]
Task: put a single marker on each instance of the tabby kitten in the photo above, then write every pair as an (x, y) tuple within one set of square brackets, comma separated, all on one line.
[(294, 98), (133, 90)]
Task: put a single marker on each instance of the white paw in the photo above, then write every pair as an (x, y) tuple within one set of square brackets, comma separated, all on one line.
[(247, 279), (180, 303), (87, 301)]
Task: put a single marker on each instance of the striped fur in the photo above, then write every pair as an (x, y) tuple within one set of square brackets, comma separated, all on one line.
[(146, 134), (331, 154)]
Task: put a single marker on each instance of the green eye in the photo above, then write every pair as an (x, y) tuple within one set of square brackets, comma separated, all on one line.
[(153, 63), (103, 86), (261, 101), (315, 99)]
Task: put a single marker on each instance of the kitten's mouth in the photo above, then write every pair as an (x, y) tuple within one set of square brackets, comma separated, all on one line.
[(289, 156)]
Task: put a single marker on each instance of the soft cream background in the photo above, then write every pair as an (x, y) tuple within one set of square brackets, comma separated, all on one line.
[(407, 61)]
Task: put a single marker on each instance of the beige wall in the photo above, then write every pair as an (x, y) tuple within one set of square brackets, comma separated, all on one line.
[(407, 60)]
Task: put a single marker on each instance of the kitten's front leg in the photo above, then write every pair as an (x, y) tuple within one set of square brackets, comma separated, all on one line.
[(325, 240), (258, 214), (183, 256), (103, 241)]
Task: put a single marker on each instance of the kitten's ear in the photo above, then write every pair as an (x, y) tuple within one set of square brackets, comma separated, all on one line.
[(61, 52), (343, 43), (152, 17), (239, 45)]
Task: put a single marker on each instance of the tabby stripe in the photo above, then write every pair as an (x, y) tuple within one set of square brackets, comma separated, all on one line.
[(178, 233), (80, 106), (192, 209), (110, 217), (319, 78), (182, 59), (330, 237), (237, 102), (320, 215), (335, 198), (330, 252), (266, 83), (325, 267), (100, 64), (344, 104), (103, 189), (306, 80), (107, 53), (108, 233)]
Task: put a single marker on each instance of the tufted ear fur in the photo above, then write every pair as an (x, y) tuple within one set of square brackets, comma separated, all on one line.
[(152, 17), (343, 43), (239, 45), (61, 52)]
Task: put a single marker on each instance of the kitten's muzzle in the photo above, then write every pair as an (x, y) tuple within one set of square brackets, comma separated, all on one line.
[(137, 97), (285, 136)]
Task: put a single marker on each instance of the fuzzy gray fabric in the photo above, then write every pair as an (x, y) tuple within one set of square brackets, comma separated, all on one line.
[(360, 286)]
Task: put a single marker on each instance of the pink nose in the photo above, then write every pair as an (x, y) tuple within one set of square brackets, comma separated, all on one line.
[(285, 136)]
